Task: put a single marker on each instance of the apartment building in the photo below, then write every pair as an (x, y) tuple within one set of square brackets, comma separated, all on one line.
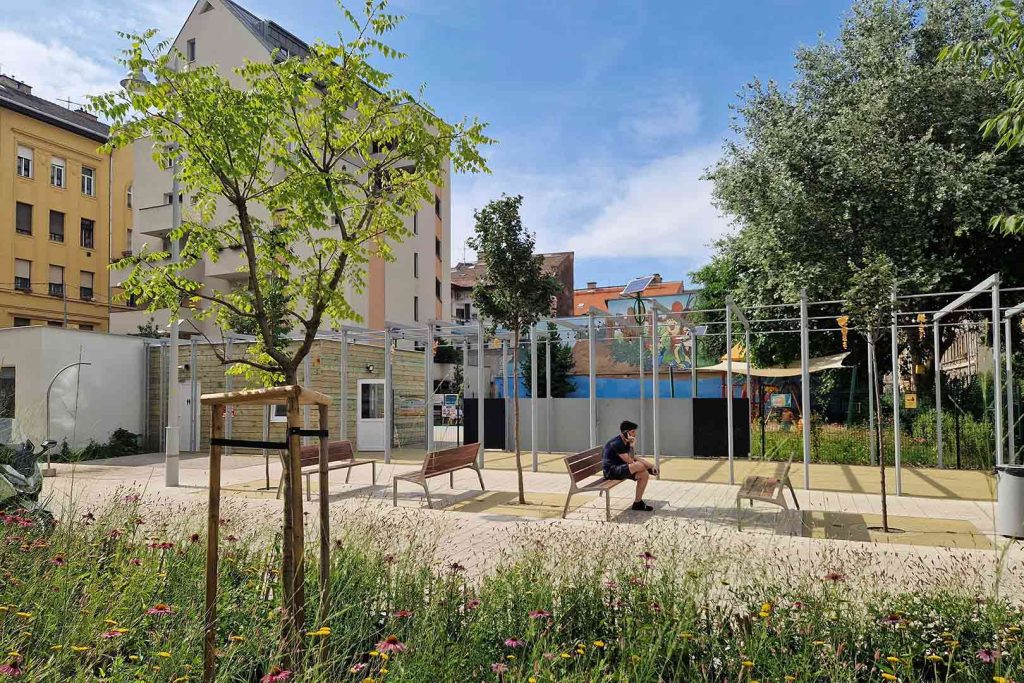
[(464, 277), (65, 212), (414, 287)]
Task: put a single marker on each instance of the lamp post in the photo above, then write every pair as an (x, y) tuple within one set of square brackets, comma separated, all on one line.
[(137, 82), (49, 471)]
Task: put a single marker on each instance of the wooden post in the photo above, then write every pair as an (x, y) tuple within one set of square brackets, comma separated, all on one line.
[(297, 597), (325, 524), (212, 540)]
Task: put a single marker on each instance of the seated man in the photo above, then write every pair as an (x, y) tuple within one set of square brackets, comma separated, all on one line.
[(619, 462)]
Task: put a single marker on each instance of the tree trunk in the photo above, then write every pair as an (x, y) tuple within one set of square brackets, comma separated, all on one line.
[(292, 566), (877, 435), (515, 416)]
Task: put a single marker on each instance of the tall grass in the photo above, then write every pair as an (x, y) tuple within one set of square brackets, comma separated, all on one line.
[(113, 596)]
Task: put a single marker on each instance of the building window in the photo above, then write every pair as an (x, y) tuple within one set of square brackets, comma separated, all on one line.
[(437, 288), (54, 323), (416, 309), (169, 197), (57, 226), (437, 246), (85, 327), (56, 280), (88, 181), (23, 218), (22, 322), (415, 224), (437, 205), (130, 189), (88, 232), (24, 162), (85, 286), (190, 49), (58, 173), (22, 275), (7, 392), (279, 413), (415, 264)]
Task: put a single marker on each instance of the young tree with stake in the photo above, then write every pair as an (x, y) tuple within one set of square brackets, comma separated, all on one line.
[(515, 292), (308, 170)]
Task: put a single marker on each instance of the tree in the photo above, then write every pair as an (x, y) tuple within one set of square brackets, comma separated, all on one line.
[(307, 169), (873, 149), (869, 305), (515, 292), (1000, 55), (562, 364)]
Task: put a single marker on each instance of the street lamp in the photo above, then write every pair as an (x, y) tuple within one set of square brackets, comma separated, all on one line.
[(49, 471), (136, 82)]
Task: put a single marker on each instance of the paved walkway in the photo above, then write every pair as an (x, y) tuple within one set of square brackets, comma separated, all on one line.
[(695, 522)]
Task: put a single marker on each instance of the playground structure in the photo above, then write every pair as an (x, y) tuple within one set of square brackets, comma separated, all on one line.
[(649, 358)]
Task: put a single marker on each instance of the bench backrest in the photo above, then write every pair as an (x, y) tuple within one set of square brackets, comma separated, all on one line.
[(439, 462), (584, 464), (337, 451)]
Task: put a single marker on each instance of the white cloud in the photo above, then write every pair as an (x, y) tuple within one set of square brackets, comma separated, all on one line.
[(664, 118), (53, 69)]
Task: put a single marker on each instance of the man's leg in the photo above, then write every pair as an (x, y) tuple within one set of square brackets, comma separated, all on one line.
[(639, 469), (647, 464)]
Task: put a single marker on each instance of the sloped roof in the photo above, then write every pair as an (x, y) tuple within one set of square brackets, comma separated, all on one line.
[(271, 34), (77, 122), (466, 275), (597, 297)]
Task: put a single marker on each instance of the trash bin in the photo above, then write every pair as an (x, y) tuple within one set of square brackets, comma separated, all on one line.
[(1010, 500)]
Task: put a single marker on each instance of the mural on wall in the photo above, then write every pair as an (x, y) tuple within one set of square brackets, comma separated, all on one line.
[(624, 336)]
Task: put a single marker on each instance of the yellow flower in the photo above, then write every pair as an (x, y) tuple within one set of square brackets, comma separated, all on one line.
[(55, 648), (180, 679), (818, 642), (164, 654), (1000, 679), (893, 660), (24, 615), (384, 656), (133, 658), (510, 657), (79, 648), (686, 635), (566, 655), (383, 671), (599, 644), (374, 653), (531, 679), (1014, 629), (889, 677), (13, 653), (747, 663), (369, 680), (766, 607), (789, 678), (110, 622), (933, 658), (236, 639), (763, 614)]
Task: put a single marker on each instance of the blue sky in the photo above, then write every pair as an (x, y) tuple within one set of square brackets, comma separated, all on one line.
[(607, 111)]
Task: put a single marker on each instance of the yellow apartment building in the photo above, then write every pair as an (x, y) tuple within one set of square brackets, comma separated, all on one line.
[(65, 213)]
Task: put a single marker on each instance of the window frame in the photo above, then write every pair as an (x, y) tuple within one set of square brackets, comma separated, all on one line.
[(274, 417), (18, 318), (63, 226), (17, 217), (88, 181), (25, 282), (190, 50), (30, 162), (92, 233), (56, 288), (63, 166), (416, 264), (415, 308), (82, 294)]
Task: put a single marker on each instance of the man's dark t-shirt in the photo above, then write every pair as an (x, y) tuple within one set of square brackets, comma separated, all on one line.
[(610, 461)]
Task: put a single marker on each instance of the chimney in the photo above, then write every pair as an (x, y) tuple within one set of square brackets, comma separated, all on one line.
[(591, 285), (8, 82), (89, 115), (657, 279)]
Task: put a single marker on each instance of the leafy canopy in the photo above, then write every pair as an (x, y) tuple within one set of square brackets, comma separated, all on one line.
[(868, 299), (304, 165)]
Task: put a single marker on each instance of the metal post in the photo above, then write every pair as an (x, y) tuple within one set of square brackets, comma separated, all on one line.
[(461, 426), (194, 413), (306, 423), (547, 393), (896, 400), (997, 371), (171, 448), (343, 403), (480, 394), (938, 392), (229, 384), (592, 376), (428, 388), (654, 388), (505, 390), (750, 396), (805, 388), (1011, 437), (389, 427), (728, 387), (533, 395), (871, 407), (693, 363)]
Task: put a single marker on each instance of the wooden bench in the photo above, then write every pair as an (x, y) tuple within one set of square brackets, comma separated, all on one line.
[(766, 489), (436, 463), (339, 457), (584, 465)]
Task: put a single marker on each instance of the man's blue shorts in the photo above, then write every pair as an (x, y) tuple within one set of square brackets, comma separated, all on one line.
[(620, 471)]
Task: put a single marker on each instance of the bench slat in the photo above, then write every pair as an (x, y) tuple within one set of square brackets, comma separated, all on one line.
[(337, 451), (441, 462)]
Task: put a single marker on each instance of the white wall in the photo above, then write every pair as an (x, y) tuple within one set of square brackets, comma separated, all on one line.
[(86, 405)]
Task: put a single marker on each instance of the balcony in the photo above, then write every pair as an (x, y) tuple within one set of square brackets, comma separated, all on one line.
[(230, 265), (154, 221)]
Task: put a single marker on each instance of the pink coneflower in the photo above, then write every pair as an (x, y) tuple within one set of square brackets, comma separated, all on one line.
[(135, 562), (388, 559), (58, 561), (539, 614), (835, 577), (11, 669), (276, 675), (132, 498), (160, 609), (89, 517), (610, 584), (391, 644), (473, 604), (647, 558), (162, 545), (139, 521), (656, 607), (108, 635), (514, 643), (114, 534), (636, 581), (194, 538), (232, 538), (356, 668), (227, 520), (988, 655), (401, 614), (499, 668), (456, 567)]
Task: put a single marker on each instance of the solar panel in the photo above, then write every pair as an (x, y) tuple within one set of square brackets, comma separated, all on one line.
[(637, 285), (700, 330)]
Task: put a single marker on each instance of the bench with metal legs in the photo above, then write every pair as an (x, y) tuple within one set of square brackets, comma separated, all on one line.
[(438, 463)]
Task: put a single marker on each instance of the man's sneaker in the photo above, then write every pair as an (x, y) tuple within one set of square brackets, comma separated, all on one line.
[(641, 506)]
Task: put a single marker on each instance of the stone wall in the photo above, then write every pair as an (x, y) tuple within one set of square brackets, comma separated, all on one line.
[(324, 367)]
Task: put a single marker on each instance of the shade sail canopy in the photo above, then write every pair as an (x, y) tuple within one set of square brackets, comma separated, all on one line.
[(268, 396), (792, 370)]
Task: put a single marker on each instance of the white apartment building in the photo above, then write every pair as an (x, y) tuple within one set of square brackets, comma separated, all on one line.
[(413, 288)]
